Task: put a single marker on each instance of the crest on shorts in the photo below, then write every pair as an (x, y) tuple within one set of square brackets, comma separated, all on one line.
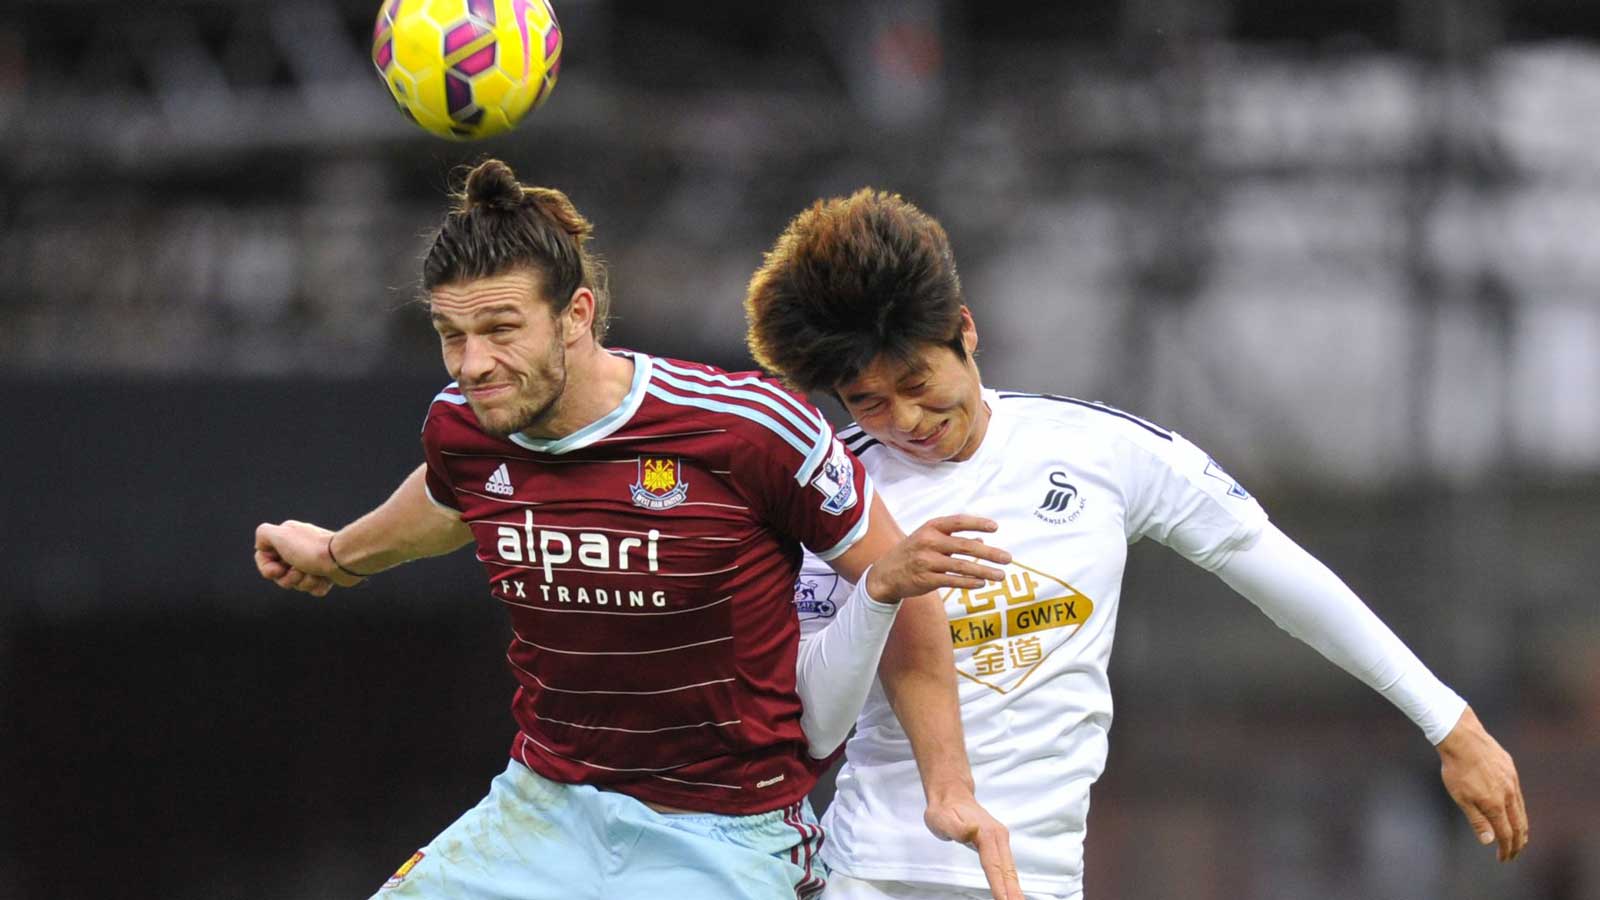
[(660, 484), (404, 870)]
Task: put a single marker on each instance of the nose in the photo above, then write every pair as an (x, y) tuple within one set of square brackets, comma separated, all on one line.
[(477, 363)]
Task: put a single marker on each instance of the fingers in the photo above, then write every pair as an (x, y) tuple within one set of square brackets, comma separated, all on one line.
[(976, 549), (1514, 834), (270, 566), (264, 535), (994, 854), (1495, 825), (982, 832), (1519, 819), (289, 578), (960, 560), (953, 524), (1504, 835), (999, 868)]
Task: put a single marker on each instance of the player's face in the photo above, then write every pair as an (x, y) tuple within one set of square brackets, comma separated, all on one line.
[(930, 408), (504, 347)]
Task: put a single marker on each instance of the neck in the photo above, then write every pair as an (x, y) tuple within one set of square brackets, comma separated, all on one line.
[(597, 382)]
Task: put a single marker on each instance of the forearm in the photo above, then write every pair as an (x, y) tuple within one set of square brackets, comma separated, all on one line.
[(919, 678), (1307, 600), (836, 667), (404, 527)]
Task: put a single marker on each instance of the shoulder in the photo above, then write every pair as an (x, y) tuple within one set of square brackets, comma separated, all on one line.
[(749, 406), (1090, 417), (448, 410)]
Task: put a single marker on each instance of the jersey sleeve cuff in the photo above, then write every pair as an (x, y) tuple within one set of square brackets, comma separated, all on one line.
[(855, 533), (428, 492)]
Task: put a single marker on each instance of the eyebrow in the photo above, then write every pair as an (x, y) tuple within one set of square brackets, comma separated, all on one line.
[(497, 309)]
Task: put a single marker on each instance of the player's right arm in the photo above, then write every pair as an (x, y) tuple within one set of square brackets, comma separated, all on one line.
[(917, 669), (300, 556)]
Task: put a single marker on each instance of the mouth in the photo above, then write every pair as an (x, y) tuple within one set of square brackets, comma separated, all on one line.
[(486, 391), (930, 440)]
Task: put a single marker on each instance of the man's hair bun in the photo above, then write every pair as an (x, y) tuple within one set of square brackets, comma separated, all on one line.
[(492, 185)]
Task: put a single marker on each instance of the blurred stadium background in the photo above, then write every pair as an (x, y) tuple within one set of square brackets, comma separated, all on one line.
[(1347, 246)]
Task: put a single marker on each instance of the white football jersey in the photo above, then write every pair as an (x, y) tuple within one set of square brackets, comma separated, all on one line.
[(1071, 484)]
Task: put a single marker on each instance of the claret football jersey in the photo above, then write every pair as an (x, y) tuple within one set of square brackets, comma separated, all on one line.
[(647, 562), (1071, 485)]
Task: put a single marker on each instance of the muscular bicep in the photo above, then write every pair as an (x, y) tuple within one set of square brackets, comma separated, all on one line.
[(436, 528)]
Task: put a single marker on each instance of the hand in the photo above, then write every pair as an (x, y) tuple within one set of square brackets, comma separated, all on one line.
[(294, 556), (925, 560), (962, 819), (1482, 780)]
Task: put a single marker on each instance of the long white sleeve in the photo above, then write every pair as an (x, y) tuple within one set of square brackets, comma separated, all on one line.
[(1307, 600), (836, 667)]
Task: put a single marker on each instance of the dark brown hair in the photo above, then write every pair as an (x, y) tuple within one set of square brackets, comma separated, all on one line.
[(499, 224), (850, 279)]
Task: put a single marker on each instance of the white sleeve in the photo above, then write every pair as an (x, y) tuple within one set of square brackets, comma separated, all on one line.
[(837, 665), (1307, 600), (1180, 497)]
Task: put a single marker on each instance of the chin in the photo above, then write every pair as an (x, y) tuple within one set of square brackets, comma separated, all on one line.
[(494, 422)]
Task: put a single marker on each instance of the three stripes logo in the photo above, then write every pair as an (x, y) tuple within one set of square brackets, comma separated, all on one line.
[(1061, 502), (499, 482)]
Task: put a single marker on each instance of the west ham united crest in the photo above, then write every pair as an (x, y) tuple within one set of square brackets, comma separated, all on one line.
[(660, 484)]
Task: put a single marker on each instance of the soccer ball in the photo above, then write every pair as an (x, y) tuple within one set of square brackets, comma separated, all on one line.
[(467, 69)]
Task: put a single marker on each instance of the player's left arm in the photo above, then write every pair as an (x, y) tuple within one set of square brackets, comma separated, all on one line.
[(917, 668), (1309, 601)]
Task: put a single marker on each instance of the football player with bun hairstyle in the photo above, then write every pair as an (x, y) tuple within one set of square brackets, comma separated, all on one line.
[(641, 520), (859, 297)]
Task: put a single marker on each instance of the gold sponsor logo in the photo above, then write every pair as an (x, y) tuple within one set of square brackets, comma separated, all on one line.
[(1057, 612), (1012, 625), (974, 630)]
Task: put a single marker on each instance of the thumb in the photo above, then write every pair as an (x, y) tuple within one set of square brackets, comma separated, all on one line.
[(1480, 825)]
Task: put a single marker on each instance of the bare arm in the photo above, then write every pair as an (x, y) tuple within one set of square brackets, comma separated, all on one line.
[(300, 556), (918, 669)]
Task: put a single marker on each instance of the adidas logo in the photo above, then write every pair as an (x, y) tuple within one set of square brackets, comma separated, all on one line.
[(499, 482)]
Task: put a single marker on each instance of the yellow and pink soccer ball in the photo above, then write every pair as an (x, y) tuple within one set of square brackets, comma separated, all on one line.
[(467, 69)]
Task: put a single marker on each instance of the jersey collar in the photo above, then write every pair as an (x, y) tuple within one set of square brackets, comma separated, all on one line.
[(606, 424)]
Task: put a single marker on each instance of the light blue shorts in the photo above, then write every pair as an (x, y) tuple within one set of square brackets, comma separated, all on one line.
[(536, 839)]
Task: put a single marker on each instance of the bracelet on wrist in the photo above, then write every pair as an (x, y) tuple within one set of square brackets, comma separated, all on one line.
[(340, 565)]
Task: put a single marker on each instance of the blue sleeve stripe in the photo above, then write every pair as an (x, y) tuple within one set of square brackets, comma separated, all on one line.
[(806, 430), (810, 414), (744, 412)]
